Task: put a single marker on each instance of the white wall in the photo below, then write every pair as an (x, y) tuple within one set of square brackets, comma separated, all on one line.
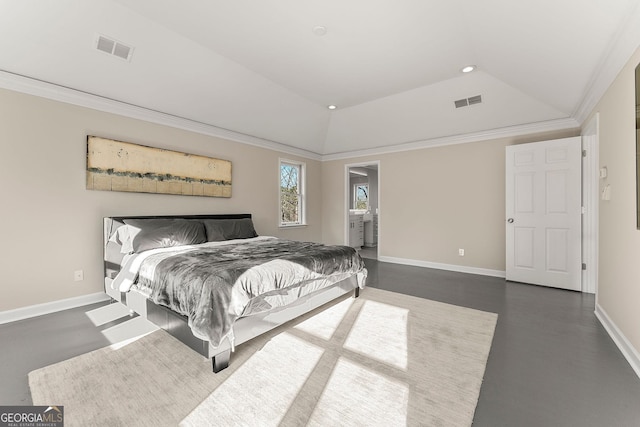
[(52, 225), (373, 190), (618, 293)]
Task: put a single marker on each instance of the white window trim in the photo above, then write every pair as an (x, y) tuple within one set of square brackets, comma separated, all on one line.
[(302, 193)]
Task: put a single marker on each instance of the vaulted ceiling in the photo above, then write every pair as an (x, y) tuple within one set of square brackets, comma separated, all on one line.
[(262, 69)]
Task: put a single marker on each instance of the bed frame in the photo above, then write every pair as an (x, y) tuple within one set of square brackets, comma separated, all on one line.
[(245, 328)]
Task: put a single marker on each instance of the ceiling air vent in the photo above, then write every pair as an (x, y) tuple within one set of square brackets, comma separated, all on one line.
[(461, 103), (468, 101), (114, 47), (475, 100)]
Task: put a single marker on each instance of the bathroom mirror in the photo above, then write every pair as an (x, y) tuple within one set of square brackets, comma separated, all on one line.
[(638, 147)]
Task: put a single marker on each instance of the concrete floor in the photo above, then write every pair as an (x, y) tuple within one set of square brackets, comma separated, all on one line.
[(551, 362), (369, 252)]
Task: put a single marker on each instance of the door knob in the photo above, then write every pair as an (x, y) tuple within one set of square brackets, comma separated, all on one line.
[(510, 220)]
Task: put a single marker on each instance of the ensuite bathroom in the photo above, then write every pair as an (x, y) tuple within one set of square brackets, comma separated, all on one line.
[(364, 209)]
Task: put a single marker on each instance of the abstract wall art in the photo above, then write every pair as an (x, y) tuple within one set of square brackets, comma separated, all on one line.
[(123, 166)]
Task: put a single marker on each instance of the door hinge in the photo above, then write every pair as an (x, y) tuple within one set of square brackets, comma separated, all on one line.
[(584, 153), (583, 210), (584, 266)]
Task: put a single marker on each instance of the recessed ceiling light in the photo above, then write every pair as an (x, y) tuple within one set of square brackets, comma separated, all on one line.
[(468, 68), (331, 107), (319, 30)]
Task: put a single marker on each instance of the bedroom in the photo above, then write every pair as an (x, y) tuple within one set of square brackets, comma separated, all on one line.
[(43, 171)]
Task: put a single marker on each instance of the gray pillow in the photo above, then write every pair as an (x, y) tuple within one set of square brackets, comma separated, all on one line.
[(152, 233), (228, 229)]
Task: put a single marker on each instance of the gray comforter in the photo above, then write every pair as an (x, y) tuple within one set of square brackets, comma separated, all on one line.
[(214, 286)]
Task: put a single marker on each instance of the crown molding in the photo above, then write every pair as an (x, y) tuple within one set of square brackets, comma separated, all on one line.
[(623, 44), (506, 132), (30, 86), (67, 95)]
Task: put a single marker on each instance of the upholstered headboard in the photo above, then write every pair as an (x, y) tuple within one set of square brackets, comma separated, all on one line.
[(214, 227)]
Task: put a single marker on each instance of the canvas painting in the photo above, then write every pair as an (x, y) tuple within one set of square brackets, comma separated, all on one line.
[(123, 166)]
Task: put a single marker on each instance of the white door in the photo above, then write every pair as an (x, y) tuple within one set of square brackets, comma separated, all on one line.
[(543, 209)]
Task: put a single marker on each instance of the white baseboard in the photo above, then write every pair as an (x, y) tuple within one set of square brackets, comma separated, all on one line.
[(627, 349), (449, 267), (50, 307)]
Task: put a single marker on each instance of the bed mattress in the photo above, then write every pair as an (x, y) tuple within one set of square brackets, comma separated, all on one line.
[(215, 283)]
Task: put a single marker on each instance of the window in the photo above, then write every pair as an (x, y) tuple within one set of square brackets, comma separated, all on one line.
[(361, 196), (292, 202)]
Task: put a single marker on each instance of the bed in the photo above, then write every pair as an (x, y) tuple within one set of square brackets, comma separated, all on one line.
[(212, 282)]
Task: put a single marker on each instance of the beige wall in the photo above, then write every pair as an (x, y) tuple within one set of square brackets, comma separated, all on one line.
[(52, 225), (618, 291), (434, 201)]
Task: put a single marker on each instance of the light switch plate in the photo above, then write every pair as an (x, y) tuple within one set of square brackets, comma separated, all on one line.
[(603, 172)]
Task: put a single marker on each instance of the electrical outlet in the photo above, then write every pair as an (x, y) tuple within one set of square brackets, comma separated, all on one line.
[(78, 275), (461, 252)]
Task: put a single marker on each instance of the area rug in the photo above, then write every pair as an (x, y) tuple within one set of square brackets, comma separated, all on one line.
[(381, 359)]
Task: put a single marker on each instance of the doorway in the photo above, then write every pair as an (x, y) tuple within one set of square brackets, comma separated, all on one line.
[(362, 208)]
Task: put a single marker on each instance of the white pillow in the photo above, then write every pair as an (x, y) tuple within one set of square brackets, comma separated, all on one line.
[(124, 236)]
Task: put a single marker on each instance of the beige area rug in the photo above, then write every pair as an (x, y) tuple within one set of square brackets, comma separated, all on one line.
[(382, 359)]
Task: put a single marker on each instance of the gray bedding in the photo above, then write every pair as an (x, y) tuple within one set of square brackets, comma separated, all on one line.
[(214, 286)]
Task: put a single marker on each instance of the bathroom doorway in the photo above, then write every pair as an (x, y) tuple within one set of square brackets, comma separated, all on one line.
[(362, 207)]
